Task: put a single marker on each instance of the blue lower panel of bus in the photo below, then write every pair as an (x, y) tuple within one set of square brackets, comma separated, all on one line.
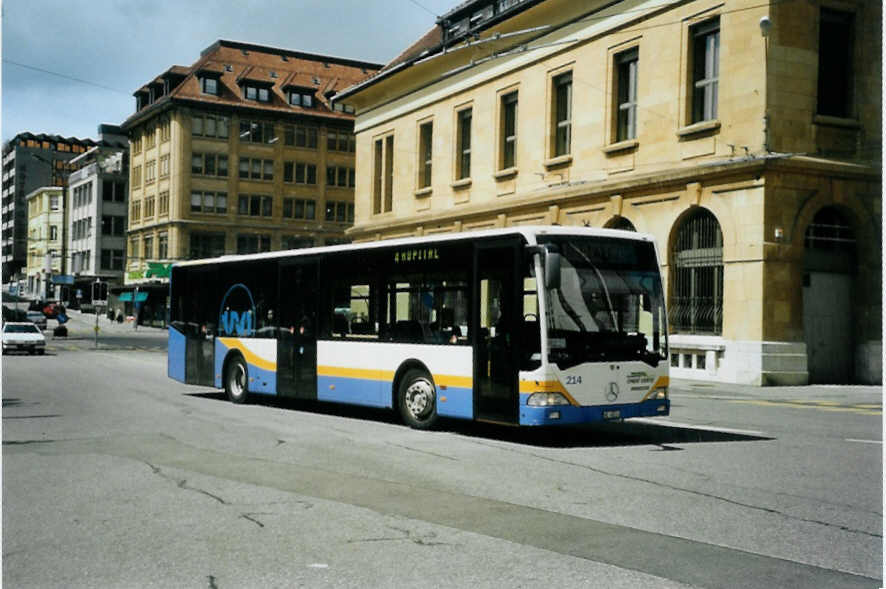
[(357, 391), (569, 414), (175, 357), (459, 402), (261, 362)]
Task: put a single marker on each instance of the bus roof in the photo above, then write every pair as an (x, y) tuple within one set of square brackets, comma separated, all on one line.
[(529, 232)]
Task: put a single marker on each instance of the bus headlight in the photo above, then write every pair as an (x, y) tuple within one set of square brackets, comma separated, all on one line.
[(659, 393), (546, 399)]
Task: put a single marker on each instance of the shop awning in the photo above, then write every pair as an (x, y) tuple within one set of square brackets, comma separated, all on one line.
[(126, 297)]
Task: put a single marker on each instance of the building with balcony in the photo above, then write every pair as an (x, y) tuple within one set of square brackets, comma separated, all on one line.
[(745, 136), (29, 162), (46, 252), (241, 152), (97, 207)]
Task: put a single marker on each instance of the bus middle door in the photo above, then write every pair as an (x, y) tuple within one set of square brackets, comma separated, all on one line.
[(297, 343)]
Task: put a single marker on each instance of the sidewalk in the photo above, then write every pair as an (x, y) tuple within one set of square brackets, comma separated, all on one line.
[(713, 390), (82, 326)]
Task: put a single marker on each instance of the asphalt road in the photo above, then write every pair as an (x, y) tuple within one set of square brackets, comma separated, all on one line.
[(116, 476)]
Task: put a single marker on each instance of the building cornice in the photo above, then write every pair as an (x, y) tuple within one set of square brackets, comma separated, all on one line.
[(566, 194)]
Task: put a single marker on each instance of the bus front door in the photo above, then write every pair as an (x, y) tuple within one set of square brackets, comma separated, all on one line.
[(297, 344), (495, 344)]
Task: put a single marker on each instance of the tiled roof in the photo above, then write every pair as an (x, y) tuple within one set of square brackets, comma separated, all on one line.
[(431, 40), (233, 62)]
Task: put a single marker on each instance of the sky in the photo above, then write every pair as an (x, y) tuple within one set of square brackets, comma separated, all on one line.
[(69, 66)]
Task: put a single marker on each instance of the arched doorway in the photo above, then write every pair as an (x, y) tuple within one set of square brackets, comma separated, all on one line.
[(696, 304), (828, 267), (619, 222)]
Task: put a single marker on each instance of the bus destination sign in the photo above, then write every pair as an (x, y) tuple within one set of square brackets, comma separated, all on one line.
[(416, 255)]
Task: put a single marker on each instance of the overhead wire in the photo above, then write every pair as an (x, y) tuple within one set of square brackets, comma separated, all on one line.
[(65, 76)]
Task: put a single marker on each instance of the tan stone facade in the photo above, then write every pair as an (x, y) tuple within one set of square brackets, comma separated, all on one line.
[(681, 119), (46, 223)]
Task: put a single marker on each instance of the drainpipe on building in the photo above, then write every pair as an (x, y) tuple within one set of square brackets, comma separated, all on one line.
[(765, 28)]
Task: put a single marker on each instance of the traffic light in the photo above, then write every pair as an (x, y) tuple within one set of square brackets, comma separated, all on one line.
[(99, 292)]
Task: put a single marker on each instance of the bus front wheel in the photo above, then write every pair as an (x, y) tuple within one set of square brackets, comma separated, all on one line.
[(236, 379), (418, 400)]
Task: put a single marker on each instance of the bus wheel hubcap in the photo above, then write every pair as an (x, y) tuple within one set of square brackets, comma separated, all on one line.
[(238, 380), (420, 398)]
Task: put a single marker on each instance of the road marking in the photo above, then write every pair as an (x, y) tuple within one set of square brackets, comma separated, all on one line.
[(708, 428), (816, 405), (864, 441)]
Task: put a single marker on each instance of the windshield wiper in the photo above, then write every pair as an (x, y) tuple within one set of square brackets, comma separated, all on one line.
[(570, 311), (602, 283)]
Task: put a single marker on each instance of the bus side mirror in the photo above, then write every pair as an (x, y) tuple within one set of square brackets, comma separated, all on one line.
[(552, 269)]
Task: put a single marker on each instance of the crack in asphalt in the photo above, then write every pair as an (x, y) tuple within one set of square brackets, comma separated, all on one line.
[(408, 536), (422, 451), (703, 494), (248, 516)]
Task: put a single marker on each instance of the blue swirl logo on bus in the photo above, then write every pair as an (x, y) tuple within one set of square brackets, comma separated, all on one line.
[(236, 316)]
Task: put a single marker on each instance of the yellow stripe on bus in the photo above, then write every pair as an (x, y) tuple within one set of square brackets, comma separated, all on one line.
[(663, 381), (442, 380), (362, 373), (250, 356), (547, 386), (542, 386)]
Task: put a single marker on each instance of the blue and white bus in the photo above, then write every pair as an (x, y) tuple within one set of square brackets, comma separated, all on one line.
[(522, 326)]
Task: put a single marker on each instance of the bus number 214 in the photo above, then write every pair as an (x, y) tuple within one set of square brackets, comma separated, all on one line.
[(573, 380)]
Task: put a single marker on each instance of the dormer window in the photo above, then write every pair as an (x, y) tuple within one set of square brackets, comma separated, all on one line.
[(209, 85), (255, 92), (301, 98)]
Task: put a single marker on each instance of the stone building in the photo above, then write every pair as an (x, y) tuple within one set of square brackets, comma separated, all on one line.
[(744, 135), (241, 152), (46, 253)]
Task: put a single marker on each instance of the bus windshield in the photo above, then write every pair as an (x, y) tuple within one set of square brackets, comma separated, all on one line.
[(608, 305)]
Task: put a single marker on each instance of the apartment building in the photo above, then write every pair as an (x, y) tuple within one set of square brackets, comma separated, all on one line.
[(29, 162), (46, 255), (97, 207), (744, 135), (241, 152)]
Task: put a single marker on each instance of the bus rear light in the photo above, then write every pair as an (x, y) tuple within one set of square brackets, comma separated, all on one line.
[(662, 408), (546, 400)]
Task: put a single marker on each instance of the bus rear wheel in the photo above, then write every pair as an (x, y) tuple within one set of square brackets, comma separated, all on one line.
[(236, 379), (418, 399)]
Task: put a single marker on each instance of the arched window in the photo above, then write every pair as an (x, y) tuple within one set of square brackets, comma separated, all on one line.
[(620, 222), (696, 304), (830, 242)]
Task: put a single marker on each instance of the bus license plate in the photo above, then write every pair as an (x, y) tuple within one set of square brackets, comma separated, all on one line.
[(615, 414)]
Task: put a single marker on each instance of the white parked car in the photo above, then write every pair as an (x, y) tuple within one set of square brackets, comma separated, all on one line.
[(23, 336)]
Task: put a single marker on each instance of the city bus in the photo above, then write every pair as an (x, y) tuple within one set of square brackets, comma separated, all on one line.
[(526, 326)]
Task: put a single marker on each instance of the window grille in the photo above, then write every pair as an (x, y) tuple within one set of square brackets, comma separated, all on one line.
[(696, 305), (830, 231)]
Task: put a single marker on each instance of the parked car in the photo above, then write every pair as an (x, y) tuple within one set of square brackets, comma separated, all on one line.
[(23, 337), (37, 318)]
